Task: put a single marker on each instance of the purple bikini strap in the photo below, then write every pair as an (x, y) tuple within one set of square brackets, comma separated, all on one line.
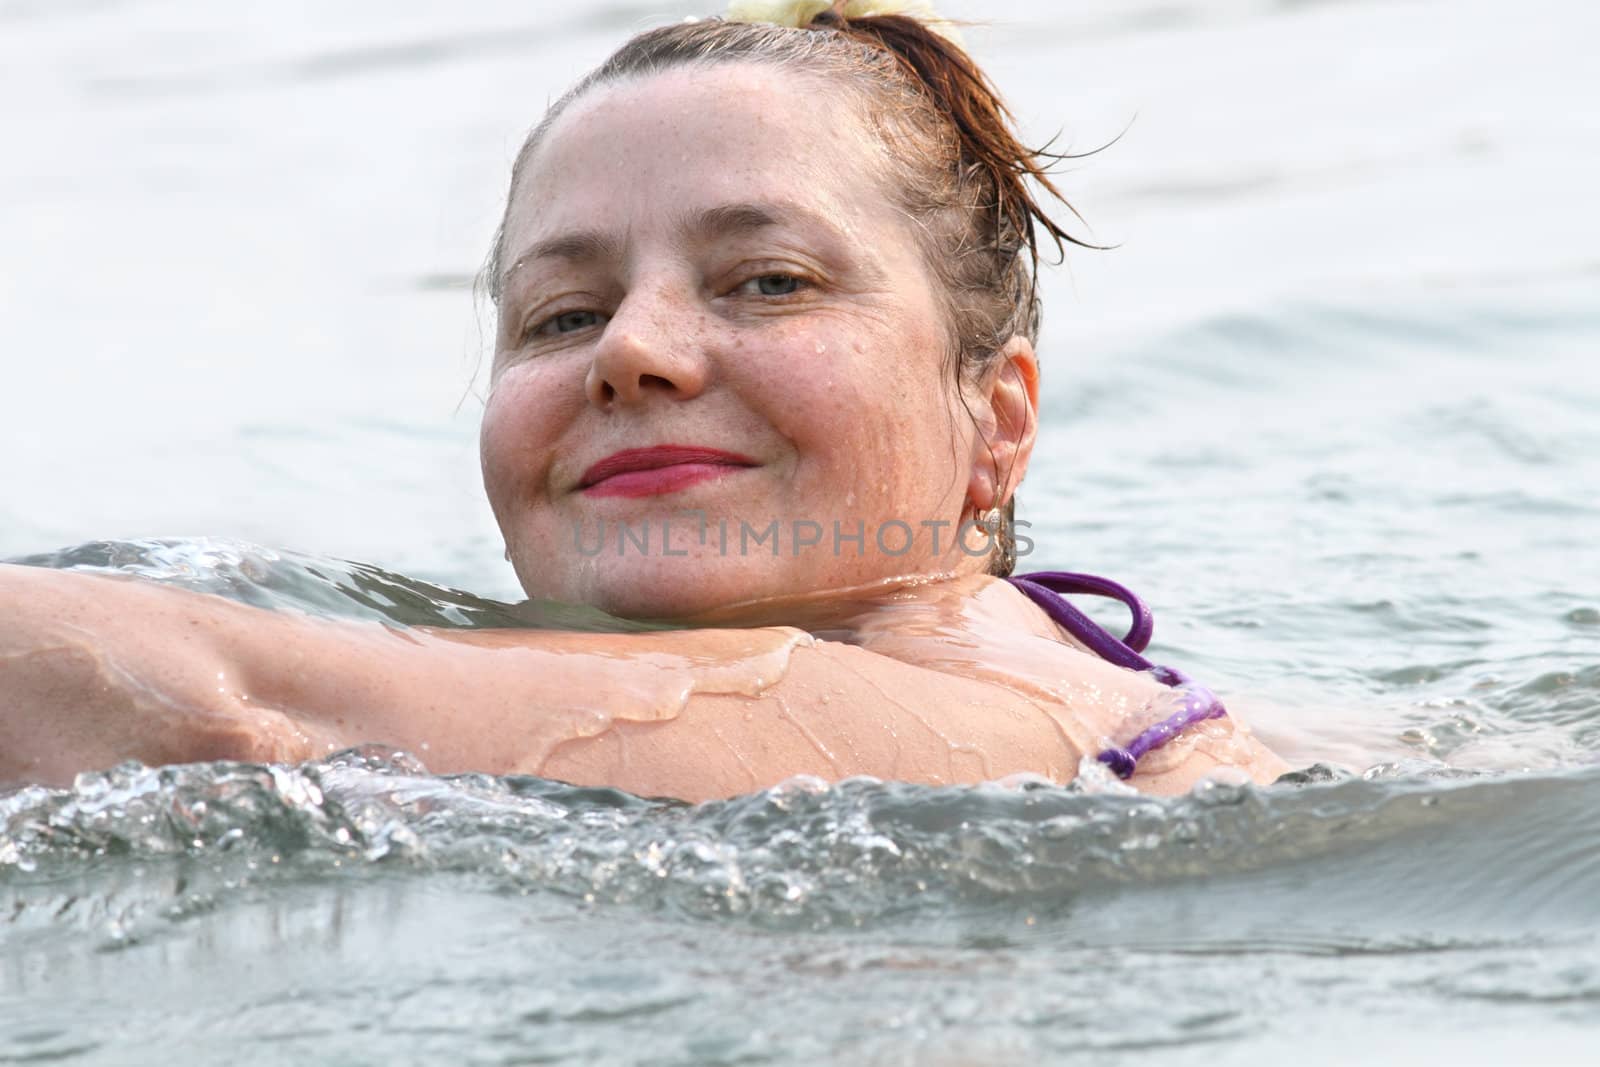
[(1048, 589), (1124, 653)]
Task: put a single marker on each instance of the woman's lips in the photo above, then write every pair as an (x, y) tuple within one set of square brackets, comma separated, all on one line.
[(637, 472)]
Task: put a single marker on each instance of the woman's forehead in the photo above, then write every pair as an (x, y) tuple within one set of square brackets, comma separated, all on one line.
[(694, 139)]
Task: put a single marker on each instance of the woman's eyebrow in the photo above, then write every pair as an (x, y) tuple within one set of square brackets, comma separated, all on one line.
[(574, 247), (722, 220), (731, 220), (727, 220)]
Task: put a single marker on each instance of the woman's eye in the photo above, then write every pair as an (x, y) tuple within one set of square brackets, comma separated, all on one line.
[(568, 322), (775, 284)]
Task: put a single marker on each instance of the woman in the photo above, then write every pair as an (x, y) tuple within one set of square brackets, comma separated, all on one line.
[(764, 369)]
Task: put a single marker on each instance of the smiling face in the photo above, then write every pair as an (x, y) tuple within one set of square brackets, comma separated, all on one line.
[(711, 307)]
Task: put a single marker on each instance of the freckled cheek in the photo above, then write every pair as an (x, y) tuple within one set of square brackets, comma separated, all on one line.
[(516, 439), (844, 430), (818, 405)]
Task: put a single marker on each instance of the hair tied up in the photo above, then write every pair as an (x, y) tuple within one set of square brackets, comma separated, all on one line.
[(800, 14), (961, 91)]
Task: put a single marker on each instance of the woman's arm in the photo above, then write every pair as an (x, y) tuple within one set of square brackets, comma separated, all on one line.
[(94, 670), (97, 670)]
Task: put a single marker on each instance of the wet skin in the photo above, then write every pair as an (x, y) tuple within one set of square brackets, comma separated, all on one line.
[(693, 261), (903, 687)]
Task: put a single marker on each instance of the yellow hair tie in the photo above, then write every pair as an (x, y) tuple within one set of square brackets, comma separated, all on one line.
[(799, 13)]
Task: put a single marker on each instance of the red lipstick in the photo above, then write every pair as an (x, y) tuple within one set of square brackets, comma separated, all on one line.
[(636, 472)]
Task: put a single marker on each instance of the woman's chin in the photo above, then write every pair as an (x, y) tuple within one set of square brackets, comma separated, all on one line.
[(666, 588)]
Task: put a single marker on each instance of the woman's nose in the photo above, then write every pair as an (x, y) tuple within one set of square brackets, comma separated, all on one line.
[(654, 345)]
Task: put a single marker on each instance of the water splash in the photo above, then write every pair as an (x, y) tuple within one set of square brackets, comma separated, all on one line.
[(804, 854)]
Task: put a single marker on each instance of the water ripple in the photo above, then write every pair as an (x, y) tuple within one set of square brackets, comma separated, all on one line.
[(861, 852)]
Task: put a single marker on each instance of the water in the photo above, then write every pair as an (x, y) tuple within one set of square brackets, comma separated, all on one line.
[(1329, 406)]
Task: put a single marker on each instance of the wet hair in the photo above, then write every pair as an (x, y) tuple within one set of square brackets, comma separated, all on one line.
[(952, 159)]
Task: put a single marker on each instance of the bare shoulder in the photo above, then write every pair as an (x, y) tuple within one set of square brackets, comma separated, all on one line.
[(837, 710), (988, 631)]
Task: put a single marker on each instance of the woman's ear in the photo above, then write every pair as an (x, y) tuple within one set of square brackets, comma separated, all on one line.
[(1008, 425)]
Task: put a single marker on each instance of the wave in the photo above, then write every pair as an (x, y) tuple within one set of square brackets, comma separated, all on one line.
[(1406, 855)]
